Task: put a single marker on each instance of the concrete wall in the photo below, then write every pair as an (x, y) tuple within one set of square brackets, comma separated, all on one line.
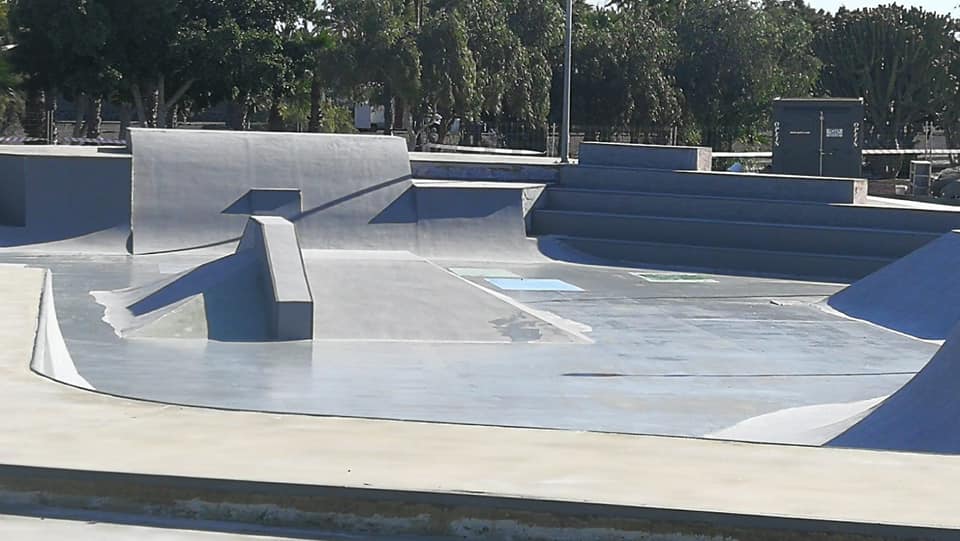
[(353, 187), (78, 201), (13, 192), (425, 167), (646, 156)]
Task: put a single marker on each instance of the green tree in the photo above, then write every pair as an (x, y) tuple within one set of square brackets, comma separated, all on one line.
[(899, 60), (623, 70), (377, 52), (733, 60)]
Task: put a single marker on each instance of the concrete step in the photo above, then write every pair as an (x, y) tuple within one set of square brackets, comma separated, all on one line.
[(740, 209), (742, 185), (731, 234), (817, 266)]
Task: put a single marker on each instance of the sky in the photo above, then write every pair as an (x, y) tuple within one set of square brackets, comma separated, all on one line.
[(941, 6)]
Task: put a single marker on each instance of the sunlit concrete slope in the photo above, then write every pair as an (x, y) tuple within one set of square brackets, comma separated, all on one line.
[(922, 416), (50, 355), (918, 294)]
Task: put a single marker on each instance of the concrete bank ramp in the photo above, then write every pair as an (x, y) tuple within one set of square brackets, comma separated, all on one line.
[(258, 293), (917, 295), (50, 355), (805, 425), (194, 189), (188, 185), (923, 416)]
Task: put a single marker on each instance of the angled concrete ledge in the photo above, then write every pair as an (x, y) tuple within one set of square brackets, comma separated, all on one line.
[(273, 240)]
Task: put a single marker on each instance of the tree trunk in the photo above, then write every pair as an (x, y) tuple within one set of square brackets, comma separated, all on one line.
[(50, 118), (162, 119), (126, 112), (236, 115), (275, 120), (316, 98), (141, 109), (388, 114), (80, 115), (33, 115), (94, 118)]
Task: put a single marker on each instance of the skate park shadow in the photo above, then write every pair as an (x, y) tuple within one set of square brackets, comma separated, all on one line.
[(227, 294), (403, 210), (349, 197), (286, 203)]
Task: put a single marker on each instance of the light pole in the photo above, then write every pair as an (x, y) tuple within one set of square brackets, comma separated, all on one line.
[(567, 73)]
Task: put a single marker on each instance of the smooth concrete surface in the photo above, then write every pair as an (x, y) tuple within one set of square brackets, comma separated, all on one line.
[(64, 202), (399, 336), (288, 302), (922, 416), (707, 487), (674, 158), (913, 295), (354, 188)]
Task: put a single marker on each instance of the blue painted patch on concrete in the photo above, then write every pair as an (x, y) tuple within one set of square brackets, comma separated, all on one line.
[(532, 284)]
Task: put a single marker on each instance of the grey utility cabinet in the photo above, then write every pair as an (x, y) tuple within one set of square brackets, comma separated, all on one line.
[(818, 137)]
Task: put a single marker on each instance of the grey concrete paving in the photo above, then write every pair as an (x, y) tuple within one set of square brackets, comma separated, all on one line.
[(42, 419), (403, 338)]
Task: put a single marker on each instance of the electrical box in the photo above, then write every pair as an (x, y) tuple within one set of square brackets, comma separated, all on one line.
[(818, 137), (921, 174)]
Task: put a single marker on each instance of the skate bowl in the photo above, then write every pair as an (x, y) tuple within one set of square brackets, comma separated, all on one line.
[(309, 295)]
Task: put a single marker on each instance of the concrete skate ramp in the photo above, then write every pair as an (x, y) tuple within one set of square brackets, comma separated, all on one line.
[(923, 416), (50, 355), (185, 180), (259, 293), (65, 201), (805, 425), (918, 294)]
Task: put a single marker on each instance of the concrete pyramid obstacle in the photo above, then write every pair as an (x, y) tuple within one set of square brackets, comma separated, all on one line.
[(917, 295), (260, 292), (923, 416)]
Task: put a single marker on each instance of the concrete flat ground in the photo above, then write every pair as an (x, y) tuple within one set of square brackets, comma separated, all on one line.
[(446, 341)]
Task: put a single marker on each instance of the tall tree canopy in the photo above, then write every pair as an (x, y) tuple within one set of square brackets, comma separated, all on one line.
[(899, 60)]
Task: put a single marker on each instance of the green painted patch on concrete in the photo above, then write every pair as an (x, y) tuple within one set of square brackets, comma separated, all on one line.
[(674, 278)]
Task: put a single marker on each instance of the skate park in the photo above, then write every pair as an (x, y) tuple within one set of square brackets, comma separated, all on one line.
[(264, 298)]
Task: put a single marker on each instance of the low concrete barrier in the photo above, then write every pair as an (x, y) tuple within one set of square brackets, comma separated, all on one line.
[(289, 300), (673, 158)]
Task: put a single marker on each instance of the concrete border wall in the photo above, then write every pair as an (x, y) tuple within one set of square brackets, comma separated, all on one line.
[(72, 201), (674, 158)]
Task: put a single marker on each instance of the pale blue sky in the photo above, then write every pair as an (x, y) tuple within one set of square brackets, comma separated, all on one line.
[(942, 6)]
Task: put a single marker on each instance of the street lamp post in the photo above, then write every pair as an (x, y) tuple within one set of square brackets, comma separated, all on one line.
[(567, 73)]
